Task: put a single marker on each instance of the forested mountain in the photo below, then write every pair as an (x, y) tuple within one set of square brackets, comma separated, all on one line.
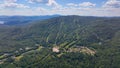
[(79, 42)]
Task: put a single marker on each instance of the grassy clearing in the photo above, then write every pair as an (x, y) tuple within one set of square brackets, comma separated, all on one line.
[(2, 56), (68, 46), (39, 48), (63, 44), (18, 58), (59, 55)]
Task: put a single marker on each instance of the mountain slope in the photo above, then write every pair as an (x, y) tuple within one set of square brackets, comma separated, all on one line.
[(60, 29), (97, 35)]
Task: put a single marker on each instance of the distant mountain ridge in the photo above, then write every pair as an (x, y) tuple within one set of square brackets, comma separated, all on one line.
[(19, 20)]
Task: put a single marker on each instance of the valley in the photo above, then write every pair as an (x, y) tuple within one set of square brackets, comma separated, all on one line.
[(17, 55)]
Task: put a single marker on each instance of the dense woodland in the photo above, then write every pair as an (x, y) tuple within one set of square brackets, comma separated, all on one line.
[(101, 34)]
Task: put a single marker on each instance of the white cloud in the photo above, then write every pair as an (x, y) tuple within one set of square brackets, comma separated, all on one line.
[(84, 4), (112, 4), (10, 1), (52, 2), (87, 4), (12, 4), (41, 9), (72, 4), (47, 2), (39, 1)]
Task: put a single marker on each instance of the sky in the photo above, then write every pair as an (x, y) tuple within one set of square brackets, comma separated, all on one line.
[(62, 7)]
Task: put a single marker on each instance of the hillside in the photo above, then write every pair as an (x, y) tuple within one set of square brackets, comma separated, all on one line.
[(81, 42)]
